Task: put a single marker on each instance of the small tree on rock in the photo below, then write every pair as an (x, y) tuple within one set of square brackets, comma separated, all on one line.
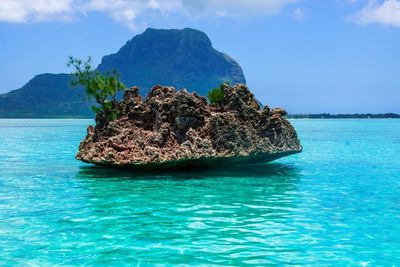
[(216, 95), (98, 86)]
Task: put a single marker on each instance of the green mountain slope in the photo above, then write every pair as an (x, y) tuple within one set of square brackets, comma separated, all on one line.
[(46, 95), (182, 58)]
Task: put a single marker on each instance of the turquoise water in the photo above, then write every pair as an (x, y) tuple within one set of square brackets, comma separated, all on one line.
[(337, 203)]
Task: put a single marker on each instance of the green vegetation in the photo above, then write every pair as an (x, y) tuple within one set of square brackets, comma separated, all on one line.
[(216, 95), (98, 86)]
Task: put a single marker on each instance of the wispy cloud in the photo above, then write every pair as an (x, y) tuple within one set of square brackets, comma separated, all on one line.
[(299, 14), (235, 7), (27, 10), (129, 11), (386, 13)]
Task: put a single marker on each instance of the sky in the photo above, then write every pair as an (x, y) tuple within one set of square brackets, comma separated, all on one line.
[(308, 56)]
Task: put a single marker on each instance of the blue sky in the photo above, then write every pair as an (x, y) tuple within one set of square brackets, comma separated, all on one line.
[(308, 56)]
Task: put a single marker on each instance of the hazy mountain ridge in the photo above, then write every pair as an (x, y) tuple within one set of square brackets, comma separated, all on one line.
[(180, 58), (46, 95)]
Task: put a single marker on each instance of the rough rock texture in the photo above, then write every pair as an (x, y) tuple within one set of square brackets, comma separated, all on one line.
[(171, 128)]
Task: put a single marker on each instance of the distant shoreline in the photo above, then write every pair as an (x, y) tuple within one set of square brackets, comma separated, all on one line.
[(344, 116)]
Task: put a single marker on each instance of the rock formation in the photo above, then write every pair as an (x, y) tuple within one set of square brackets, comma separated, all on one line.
[(171, 129)]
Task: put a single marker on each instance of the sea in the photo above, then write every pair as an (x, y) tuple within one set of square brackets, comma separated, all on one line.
[(335, 204)]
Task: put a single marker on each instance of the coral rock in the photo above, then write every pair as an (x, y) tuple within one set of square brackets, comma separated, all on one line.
[(172, 129)]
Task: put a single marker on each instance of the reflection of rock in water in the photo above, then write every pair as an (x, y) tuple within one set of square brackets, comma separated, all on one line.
[(262, 171), (233, 184), (171, 129)]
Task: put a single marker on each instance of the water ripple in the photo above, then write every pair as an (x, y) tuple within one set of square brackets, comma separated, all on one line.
[(335, 204)]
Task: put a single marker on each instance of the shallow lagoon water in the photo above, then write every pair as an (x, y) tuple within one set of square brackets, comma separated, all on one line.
[(337, 203)]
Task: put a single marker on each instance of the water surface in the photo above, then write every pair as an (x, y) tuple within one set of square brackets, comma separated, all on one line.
[(337, 203)]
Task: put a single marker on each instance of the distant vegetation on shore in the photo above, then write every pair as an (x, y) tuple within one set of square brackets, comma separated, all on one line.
[(344, 116)]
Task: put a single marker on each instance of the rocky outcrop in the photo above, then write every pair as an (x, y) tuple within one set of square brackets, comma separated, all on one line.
[(171, 128)]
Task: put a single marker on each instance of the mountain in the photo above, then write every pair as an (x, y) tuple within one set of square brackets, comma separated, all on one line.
[(45, 96), (180, 58)]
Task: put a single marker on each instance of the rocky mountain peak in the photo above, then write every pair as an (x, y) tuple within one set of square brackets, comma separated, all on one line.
[(180, 58)]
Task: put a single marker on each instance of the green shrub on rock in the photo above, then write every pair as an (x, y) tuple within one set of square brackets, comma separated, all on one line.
[(216, 95), (98, 86)]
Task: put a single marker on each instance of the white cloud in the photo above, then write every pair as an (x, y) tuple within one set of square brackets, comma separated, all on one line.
[(36, 10), (386, 12), (298, 13), (128, 11), (235, 7)]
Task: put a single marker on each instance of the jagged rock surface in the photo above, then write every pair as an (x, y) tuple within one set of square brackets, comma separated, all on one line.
[(171, 128)]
